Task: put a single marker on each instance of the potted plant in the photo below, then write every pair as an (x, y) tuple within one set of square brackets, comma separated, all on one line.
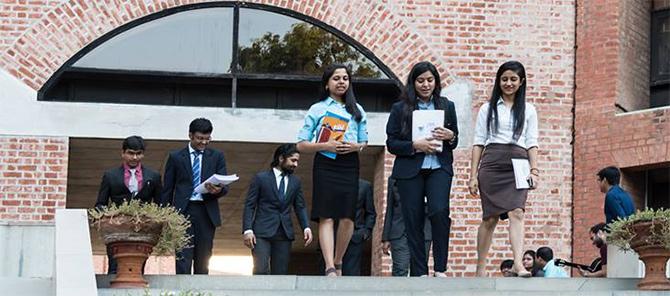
[(133, 230), (648, 234)]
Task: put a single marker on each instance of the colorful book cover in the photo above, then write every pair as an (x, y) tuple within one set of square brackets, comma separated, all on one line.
[(332, 127)]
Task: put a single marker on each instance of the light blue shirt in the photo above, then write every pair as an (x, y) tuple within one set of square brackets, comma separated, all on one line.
[(357, 132), (430, 161), (553, 271)]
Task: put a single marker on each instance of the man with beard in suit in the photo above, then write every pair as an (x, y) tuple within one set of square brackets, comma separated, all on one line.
[(267, 227)]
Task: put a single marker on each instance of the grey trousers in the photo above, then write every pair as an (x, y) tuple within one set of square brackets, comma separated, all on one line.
[(400, 256)]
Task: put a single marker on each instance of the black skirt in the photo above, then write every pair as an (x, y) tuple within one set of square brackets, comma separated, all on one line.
[(335, 186)]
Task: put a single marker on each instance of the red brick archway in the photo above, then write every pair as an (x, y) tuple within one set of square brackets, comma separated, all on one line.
[(65, 30)]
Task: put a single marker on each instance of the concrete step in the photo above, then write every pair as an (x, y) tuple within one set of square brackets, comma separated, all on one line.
[(354, 286), (157, 292), (27, 286)]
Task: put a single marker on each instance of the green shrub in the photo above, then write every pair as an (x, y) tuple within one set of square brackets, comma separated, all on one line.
[(621, 233)]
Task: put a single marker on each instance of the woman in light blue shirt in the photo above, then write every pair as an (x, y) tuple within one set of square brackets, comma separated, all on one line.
[(336, 129)]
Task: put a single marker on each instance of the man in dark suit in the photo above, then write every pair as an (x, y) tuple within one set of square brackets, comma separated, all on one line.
[(394, 238), (363, 224), (184, 171), (131, 180), (267, 226)]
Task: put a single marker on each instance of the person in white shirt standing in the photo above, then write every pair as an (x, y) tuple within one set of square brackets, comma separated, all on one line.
[(506, 129), (272, 196)]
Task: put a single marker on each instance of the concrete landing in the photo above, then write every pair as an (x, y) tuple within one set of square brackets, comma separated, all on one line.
[(350, 286), (27, 286)]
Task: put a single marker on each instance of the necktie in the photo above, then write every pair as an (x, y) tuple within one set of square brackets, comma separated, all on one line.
[(132, 182), (196, 170), (282, 194)]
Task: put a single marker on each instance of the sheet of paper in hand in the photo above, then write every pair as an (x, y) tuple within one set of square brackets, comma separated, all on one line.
[(217, 180), (332, 127), (424, 122), (521, 168)]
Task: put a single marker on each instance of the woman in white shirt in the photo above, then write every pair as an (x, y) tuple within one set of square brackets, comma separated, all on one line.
[(506, 131)]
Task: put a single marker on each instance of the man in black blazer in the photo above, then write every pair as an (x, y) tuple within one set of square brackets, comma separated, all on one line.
[(184, 171), (363, 224), (131, 180), (394, 238), (266, 225)]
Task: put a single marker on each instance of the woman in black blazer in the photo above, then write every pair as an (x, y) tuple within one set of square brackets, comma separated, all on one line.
[(422, 171)]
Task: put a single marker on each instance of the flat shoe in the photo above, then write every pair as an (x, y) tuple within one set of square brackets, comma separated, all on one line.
[(338, 267)]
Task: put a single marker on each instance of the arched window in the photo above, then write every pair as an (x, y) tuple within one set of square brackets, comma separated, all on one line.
[(219, 54)]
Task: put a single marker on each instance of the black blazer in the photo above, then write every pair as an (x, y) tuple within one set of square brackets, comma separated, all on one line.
[(394, 225), (407, 163), (113, 188), (365, 213), (265, 212), (179, 186)]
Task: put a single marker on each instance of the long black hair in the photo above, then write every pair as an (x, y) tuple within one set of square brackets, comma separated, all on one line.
[(349, 97), (519, 107), (283, 151), (409, 94)]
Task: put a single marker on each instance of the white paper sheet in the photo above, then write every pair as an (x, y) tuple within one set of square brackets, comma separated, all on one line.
[(217, 180), (423, 123), (521, 172)]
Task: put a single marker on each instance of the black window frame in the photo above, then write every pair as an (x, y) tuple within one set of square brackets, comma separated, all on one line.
[(68, 71), (659, 84)]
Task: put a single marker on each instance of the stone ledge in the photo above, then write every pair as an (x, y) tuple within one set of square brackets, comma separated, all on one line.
[(320, 284)]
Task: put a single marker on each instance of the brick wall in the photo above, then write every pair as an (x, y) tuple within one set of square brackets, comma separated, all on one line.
[(33, 177), (634, 31), (633, 141), (16, 16), (466, 39), (661, 4)]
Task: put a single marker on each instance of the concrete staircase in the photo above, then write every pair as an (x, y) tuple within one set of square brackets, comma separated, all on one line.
[(197, 285)]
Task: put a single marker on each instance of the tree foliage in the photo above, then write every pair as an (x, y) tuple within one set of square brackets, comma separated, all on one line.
[(305, 49)]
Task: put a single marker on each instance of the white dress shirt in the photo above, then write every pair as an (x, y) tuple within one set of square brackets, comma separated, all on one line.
[(278, 177), (529, 133)]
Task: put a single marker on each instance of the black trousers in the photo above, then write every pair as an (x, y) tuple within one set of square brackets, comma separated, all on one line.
[(202, 240), (272, 255), (435, 186), (351, 262)]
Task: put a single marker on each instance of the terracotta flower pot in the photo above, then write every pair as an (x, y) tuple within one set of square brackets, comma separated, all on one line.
[(654, 257), (131, 244)]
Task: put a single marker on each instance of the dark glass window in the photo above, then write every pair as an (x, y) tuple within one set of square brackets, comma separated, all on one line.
[(660, 59), (658, 188), (197, 41), (219, 54)]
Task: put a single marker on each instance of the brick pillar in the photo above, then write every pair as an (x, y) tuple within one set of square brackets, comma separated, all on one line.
[(381, 264), (34, 177)]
